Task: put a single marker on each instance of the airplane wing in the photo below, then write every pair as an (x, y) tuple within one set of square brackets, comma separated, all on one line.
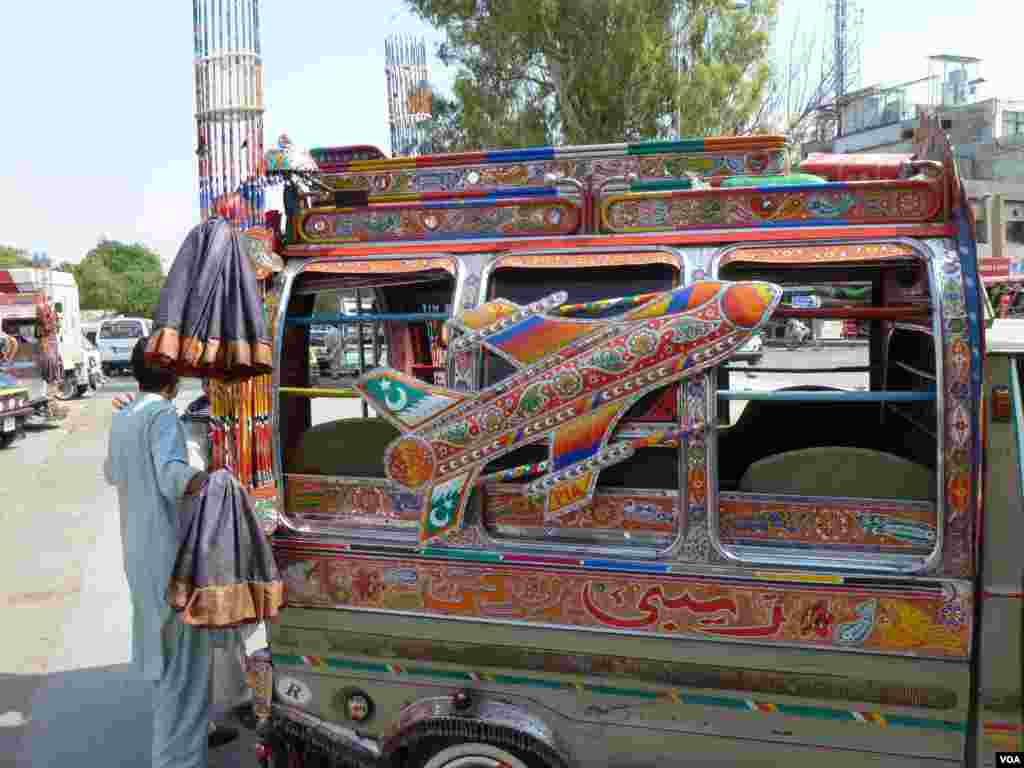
[(676, 335), (580, 449), (578, 452), (521, 335)]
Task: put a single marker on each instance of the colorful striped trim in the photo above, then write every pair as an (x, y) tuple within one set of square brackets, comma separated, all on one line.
[(725, 144), (672, 695), (1003, 728)]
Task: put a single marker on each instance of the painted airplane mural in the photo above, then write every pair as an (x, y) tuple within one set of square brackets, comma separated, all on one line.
[(574, 380)]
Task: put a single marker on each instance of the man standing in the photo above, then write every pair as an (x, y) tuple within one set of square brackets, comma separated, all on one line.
[(148, 463), (335, 343)]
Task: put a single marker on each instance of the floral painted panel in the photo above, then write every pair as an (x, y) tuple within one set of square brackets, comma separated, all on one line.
[(932, 622), (634, 515), (864, 203), (343, 501), (591, 171), (824, 523), (387, 222)]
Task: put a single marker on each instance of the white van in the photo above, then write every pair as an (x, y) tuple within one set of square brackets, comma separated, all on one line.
[(116, 339)]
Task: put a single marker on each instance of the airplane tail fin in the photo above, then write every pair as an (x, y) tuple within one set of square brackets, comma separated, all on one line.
[(405, 401)]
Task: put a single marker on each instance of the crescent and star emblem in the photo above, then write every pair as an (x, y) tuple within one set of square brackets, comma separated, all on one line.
[(445, 507), (396, 399)]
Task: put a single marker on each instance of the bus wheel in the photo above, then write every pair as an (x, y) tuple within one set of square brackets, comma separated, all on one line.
[(474, 755)]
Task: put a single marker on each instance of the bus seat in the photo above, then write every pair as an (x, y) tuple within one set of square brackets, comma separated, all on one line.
[(348, 447), (839, 471)]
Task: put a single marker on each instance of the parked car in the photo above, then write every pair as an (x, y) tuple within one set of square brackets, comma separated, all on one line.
[(116, 340), (15, 409)]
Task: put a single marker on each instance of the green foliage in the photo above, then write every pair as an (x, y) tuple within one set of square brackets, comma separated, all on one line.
[(14, 257), (123, 277), (724, 58), (593, 71), (447, 127)]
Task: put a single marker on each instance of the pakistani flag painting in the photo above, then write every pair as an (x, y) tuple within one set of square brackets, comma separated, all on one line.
[(443, 514), (404, 399)]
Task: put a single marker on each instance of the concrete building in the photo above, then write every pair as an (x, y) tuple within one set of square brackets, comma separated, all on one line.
[(987, 133)]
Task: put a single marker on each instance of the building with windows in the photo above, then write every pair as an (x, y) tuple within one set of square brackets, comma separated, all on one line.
[(987, 132)]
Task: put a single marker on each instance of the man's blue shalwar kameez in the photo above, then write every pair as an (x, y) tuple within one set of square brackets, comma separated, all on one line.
[(148, 463)]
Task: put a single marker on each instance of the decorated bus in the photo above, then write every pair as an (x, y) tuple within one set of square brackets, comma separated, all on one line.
[(548, 516)]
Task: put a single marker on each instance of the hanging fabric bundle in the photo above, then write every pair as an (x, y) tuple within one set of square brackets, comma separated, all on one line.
[(209, 320), (225, 574)]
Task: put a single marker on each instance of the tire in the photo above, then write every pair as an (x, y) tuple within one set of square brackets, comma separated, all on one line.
[(472, 754), (83, 389), (7, 438)]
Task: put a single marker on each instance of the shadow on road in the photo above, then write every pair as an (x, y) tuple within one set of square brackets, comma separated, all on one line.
[(90, 717)]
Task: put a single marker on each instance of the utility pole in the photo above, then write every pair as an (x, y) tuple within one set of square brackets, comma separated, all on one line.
[(840, 64)]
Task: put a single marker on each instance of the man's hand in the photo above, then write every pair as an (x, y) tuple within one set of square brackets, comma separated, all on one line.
[(196, 484), (122, 401)]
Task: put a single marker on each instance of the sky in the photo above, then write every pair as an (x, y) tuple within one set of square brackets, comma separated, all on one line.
[(100, 130)]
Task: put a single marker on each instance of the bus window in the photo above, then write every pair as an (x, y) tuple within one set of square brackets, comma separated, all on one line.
[(333, 443), (636, 503), (815, 461)]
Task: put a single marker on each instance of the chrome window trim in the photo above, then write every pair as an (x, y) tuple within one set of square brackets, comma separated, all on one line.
[(877, 562), (293, 269), (634, 553)]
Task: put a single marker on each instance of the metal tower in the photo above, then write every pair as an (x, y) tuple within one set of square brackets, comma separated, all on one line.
[(229, 109), (847, 21), (409, 94)]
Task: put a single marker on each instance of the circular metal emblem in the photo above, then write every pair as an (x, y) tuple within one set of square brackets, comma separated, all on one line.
[(410, 462), (293, 691)]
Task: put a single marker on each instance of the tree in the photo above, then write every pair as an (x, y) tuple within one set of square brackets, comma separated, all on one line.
[(592, 71), (119, 276), (446, 131), (722, 49), (14, 257)]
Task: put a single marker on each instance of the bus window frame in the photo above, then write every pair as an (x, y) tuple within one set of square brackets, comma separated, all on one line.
[(776, 557), (288, 277), (685, 271)]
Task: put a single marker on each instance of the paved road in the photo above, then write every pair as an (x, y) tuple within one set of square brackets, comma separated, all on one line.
[(67, 697), (65, 601)]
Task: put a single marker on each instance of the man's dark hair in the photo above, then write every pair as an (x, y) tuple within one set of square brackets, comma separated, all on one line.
[(150, 377)]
